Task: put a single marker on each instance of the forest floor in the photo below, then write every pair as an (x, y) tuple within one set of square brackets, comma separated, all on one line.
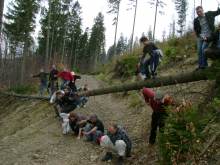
[(31, 135)]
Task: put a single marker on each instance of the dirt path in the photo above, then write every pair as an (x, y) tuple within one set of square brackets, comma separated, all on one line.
[(30, 134)]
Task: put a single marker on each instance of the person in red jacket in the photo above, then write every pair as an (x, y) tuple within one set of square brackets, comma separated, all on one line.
[(158, 102), (66, 77)]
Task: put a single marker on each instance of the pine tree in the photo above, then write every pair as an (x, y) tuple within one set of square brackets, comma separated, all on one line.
[(181, 8), (97, 40), (1, 15), (121, 45), (114, 6), (150, 34)]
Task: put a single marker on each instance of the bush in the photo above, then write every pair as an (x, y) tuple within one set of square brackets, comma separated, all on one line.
[(126, 67), (182, 135), (23, 89)]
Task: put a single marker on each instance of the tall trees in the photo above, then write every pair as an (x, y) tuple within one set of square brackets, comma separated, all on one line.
[(114, 9), (1, 14), (158, 4), (97, 41), (181, 7), (20, 23)]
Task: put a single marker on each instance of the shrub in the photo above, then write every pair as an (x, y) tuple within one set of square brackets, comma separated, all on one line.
[(23, 89)]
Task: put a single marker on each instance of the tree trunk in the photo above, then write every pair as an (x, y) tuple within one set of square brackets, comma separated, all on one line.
[(132, 34), (48, 34), (162, 81), (116, 29), (1, 15), (155, 19)]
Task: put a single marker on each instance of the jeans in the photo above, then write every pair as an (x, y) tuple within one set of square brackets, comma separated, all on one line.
[(53, 86), (42, 88), (201, 46), (144, 67), (93, 136), (154, 61), (158, 120)]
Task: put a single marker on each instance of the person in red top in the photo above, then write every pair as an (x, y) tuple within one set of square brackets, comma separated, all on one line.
[(66, 77), (158, 102)]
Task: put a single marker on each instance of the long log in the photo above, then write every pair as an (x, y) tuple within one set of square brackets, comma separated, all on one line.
[(25, 96), (158, 82)]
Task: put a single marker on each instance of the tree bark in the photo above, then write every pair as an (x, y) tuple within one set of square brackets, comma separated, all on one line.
[(155, 19), (1, 15), (132, 34), (162, 81)]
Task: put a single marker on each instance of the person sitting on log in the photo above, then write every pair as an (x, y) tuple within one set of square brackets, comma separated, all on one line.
[(155, 53), (93, 130), (213, 52), (116, 140), (43, 81), (158, 102)]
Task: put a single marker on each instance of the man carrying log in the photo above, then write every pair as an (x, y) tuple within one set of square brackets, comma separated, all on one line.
[(204, 28)]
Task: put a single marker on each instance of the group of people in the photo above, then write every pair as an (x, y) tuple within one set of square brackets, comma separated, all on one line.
[(90, 128), (49, 81), (208, 45)]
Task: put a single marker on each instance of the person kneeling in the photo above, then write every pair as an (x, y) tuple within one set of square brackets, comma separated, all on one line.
[(118, 141)]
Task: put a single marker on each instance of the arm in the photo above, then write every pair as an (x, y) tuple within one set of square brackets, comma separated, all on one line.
[(91, 131), (80, 132), (215, 13)]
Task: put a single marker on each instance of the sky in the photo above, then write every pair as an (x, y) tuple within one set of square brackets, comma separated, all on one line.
[(144, 19)]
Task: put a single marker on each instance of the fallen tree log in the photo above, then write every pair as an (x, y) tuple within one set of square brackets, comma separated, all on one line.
[(158, 82)]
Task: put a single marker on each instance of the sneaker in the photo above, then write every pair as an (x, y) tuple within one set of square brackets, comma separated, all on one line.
[(120, 160), (107, 157)]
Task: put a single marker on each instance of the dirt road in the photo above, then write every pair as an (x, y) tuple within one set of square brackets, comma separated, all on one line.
[(31, 135)]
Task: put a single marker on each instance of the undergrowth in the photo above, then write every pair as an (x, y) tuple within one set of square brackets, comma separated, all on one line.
[(23, 89)]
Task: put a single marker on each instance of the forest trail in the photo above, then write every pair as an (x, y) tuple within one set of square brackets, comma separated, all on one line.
[(30, 133)]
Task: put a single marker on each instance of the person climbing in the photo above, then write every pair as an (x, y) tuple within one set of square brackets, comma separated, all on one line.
[(94, 129), (43, 81), (151, 49), (117, 141), (158, 102), (66, 77), (204, 28), (53, 80), (213, 52)]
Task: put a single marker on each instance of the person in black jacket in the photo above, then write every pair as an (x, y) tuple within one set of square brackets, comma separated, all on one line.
[(116, 140), (204, 29), (53, 80), (43, 81), (213, 52)]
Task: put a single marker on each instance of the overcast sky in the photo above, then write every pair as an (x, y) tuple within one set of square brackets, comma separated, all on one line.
[(145, 16)]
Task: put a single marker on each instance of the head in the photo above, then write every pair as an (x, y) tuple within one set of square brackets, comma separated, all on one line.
[(73, 116), (112, 129), (159, 96), (67, 89), (93, 118), (41, 70), (144, 40), (53, 66), (64, 69), (59, 94), (199, 11)]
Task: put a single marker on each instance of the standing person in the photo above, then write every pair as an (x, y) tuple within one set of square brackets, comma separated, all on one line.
[(158, 102), (204, 28), (117, 141), (53, 80), (151, 49), (66, 77), (43, 81), (214, 51)]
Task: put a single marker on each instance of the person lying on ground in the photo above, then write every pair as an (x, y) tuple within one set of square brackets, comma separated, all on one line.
[(93, 130), (153, 61), (204, 28), (43, 81), (53, 80), (117, 141), (158, 102), (66, 77), (213, 52)]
